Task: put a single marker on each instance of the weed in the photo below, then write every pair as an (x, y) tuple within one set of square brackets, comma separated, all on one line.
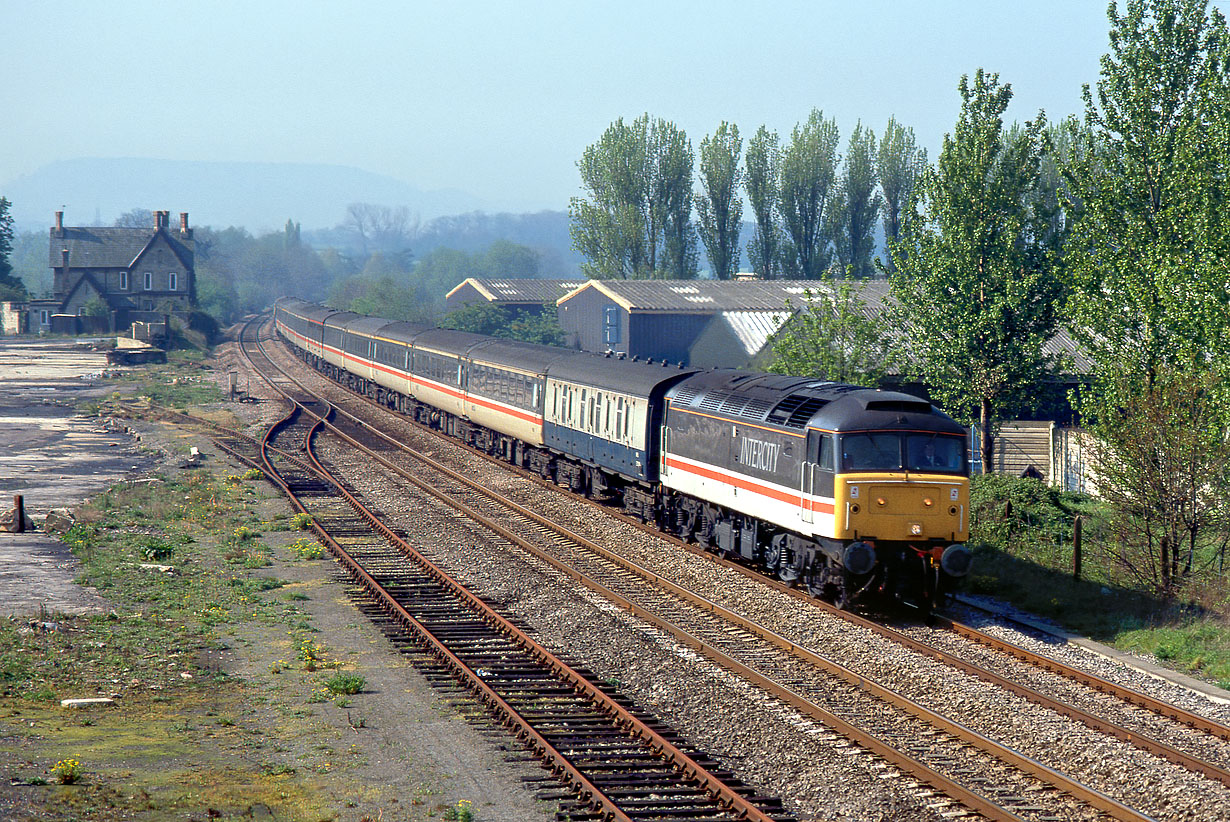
[(35, 780), (307, 549), (253, 474), (296, 596), (301, 521), (463, 811), (345, 682), (154, 548), (67, 771), (245, 534)]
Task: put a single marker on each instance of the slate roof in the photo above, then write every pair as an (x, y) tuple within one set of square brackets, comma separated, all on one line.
[(519, 290), (90, 247)]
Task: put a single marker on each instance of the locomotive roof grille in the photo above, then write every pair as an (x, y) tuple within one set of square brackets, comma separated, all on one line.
[(914, 406), (796, 410)]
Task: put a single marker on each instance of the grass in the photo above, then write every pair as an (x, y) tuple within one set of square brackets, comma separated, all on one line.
[(178, 739), (1023, 554)]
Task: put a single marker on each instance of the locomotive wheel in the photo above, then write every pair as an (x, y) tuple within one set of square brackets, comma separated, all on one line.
[(772, 556)]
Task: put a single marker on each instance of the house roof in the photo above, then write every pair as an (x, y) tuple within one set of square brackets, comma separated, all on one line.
[(90, 247), (700, 296), (518, 290)]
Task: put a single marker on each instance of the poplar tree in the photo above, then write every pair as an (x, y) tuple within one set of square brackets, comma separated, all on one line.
[(762, 164), (856, 205), (808, 168), (977, 288), (900, 164), (635, 222), (719, 209)]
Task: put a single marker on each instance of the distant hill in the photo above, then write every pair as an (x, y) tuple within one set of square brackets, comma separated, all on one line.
[(257, 196)]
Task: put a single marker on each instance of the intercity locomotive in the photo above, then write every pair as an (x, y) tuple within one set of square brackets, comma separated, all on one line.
[(853, 493)]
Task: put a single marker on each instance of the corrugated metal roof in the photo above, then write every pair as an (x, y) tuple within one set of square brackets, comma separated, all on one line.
[(752, 328), (520, 290), (711, 296)]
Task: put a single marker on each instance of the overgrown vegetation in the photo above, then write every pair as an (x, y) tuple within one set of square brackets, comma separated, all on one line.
[(156, 651), (1022, 537)]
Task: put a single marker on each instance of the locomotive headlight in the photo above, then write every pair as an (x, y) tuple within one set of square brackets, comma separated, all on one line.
[(956, 560), (916, 529), (881, 501), (928, 502)]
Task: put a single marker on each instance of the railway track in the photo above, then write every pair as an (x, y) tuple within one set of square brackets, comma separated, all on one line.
[(1136, 736), (755, 653), (618, 763), (1156, 746)]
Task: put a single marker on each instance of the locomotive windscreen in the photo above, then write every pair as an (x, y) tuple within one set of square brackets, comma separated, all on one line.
[(892, 451)]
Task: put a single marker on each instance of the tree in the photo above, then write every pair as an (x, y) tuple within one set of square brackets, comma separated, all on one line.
[(291, 235), (808, 168), (135, 218), (856, 204), (977, 289), (11, 288), (508, 259), (635, 222), (502, 321), (900, 163), (719, 209), (671, 200), (380, 227), (1149, 250), (1163, 467), (831, 337), (763, 164)]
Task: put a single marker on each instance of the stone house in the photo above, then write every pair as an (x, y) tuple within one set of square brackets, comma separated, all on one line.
[(110, 277)]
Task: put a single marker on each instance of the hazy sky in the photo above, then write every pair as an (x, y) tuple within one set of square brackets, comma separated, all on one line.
[(500, 99)]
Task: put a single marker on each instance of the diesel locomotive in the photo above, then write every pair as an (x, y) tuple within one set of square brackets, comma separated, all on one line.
[(856, 494)]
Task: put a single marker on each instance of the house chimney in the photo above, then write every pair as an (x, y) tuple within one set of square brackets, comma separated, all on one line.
[(59, 223), (183, 222)]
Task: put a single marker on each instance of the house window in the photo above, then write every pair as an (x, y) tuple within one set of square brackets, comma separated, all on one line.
[(149, 281), (43, 318), (173, 280), (610, 325), (123, 281)]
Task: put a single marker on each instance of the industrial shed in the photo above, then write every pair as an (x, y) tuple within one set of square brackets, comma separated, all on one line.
[(525, 296)]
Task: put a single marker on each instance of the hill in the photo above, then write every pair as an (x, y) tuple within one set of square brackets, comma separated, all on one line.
[(258, 196)]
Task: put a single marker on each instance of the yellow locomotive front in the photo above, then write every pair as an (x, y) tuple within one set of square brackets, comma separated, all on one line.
[(904, 495)]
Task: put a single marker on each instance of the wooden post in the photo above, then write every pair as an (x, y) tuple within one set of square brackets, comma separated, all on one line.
[(232, 378), (19, 511), (1077, 527)]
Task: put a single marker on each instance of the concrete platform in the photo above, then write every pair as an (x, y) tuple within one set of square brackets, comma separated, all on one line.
[(54, 458)]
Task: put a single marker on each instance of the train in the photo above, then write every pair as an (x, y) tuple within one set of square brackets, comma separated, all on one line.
[(857, 495)]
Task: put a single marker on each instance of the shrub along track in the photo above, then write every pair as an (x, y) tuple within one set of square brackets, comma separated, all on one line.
[(1192, 761), (619, 763)]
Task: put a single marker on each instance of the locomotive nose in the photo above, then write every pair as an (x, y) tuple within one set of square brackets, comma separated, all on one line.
[(956, 560), (859, 558)]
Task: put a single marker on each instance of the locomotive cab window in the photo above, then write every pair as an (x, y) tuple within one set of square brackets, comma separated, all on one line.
[(825, 460)]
